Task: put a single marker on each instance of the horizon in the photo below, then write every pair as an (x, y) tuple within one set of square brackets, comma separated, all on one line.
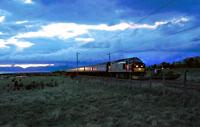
[(52, 32), (52, 67)]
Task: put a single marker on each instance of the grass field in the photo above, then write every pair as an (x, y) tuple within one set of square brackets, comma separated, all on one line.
[(85, 102)]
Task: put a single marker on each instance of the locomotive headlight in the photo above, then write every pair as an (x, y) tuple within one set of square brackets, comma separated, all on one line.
[(142, 66), (137, 66)]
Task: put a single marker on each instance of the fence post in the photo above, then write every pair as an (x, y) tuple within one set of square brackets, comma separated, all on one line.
[(163, 81), (185, 87), (150, 79), (185, 78), (163, 76)]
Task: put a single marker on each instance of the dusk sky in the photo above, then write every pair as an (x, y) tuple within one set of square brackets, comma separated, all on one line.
[(47, 31)]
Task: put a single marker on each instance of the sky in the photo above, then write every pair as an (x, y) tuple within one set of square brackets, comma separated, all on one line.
[(49, 31)]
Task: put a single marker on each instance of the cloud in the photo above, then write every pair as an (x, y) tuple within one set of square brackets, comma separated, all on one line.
[(21, 22), (179, 21), (4, 13), (27, 1), (182, 19), (18, 43), (85, 39), (32, 65), (1, 33), (65, 31), (24, 66), (6, 65), (3, 44), (2, 18), (60, 30)]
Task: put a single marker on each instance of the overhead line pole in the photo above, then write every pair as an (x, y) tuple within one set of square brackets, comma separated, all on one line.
[(109, 56), (77, 54)]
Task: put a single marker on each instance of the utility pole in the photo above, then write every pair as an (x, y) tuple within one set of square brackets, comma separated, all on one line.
[(109, 63), (77, 53)]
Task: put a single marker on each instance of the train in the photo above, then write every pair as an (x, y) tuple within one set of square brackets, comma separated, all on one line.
[(118, 68)]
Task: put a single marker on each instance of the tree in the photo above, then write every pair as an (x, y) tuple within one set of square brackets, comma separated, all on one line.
[(165, 65)]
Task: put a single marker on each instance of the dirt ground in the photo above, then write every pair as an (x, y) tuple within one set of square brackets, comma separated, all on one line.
[(60, 101)]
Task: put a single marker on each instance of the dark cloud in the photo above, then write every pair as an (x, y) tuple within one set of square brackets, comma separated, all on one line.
[(168, 42)]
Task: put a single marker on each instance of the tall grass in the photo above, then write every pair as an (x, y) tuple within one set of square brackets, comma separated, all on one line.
[(95, 102)]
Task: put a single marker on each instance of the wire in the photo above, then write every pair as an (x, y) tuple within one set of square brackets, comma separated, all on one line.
[(148, 15), (155, 11), (98, 58), (172, 34), (186, 30), (142, 19), (178, 32)]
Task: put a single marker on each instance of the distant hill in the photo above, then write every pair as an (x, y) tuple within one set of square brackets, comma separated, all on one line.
[(58, 66), (31, 69)]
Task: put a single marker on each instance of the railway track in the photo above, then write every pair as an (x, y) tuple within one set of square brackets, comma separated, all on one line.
[(154, 82), (140, 81)]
